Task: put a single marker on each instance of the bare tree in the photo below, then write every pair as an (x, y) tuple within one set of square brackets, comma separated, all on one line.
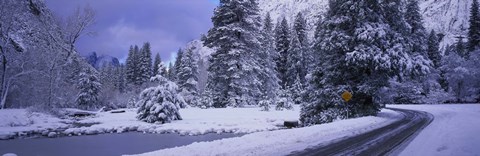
[(8, 44), (76, 25), (48, 55)]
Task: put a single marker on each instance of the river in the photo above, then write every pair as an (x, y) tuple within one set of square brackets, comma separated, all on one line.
[(102, 145)]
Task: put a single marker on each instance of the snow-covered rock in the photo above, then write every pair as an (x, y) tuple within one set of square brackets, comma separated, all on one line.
[(52, 135)]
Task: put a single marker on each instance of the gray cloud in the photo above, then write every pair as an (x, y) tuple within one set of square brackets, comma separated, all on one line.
[(166, 24)]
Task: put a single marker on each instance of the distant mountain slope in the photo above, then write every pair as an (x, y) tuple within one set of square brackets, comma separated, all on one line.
[(102, 60), (449, 17)]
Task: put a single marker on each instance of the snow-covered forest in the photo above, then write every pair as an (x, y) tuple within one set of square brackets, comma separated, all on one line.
[(378, 50), (262, 65)]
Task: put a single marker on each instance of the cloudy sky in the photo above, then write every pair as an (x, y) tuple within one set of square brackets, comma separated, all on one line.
[(166, 24)]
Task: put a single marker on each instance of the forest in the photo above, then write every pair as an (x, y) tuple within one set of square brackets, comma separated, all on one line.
[(378, 50)]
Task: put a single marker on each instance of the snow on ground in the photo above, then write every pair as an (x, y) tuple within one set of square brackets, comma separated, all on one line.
[(16, 122), (282, 142), (20, 121), (454, 131), (195, 122)]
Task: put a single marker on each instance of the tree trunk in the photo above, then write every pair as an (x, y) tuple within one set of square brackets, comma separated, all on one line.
[(3, 85)]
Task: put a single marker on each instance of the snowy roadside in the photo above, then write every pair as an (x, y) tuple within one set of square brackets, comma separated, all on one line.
[(18, 122), (454, 131), (282, 142)]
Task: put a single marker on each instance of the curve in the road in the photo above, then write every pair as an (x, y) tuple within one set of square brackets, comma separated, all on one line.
[(382, 141)]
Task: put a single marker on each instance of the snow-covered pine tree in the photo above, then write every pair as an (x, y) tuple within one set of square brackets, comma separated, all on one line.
[(294, 60), (120, 82), (433, 49), (89, 86), (268, 75), (474, 27), (296, 91), (233, 79), (160, 104), (187, 77), (306, 59), (409, 35), (417, 30), (156, 64), (176, 65), (282, 44), (145, 64), (131, 66), (171, 72), (107, 74), (357, 56)]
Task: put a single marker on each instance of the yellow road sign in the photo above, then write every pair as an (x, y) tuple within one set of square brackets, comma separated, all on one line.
[(347, 96)]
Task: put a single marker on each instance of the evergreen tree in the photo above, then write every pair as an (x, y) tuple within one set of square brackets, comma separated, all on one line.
[(160, 104), (357, 56), (233, 79), (296, 91), (187, 77), (176, 66), (305, 54), (171, 71), (294, 61), (131, 72), (120, 83), (282, 40), (156, 64), (89, 86), (145, 64), (408, 34), (417, 31), (433, 49), (268, 76), (474, 29)]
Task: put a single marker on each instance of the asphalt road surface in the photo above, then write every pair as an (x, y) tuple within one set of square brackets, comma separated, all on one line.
[(387, 140)]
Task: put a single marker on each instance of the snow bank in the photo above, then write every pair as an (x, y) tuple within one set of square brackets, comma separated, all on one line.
[(282, 142), (454, 131), (20, 122), (195, 122)]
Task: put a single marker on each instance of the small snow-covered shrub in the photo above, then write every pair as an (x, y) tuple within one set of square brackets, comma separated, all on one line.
[(284, 101), (160, 104), (265, 105), (89, 86), (206, 101)]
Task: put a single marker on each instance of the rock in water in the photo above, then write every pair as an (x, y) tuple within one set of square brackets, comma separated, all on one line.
[(52, 135)]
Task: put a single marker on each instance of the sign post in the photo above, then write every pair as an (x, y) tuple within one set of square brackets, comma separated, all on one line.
[(347, 96)]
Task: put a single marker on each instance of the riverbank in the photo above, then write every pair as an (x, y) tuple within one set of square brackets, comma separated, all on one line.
[(20, 123)]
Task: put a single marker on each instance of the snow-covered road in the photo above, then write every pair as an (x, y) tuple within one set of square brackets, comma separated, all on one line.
[(454, 131), (381, 141)]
